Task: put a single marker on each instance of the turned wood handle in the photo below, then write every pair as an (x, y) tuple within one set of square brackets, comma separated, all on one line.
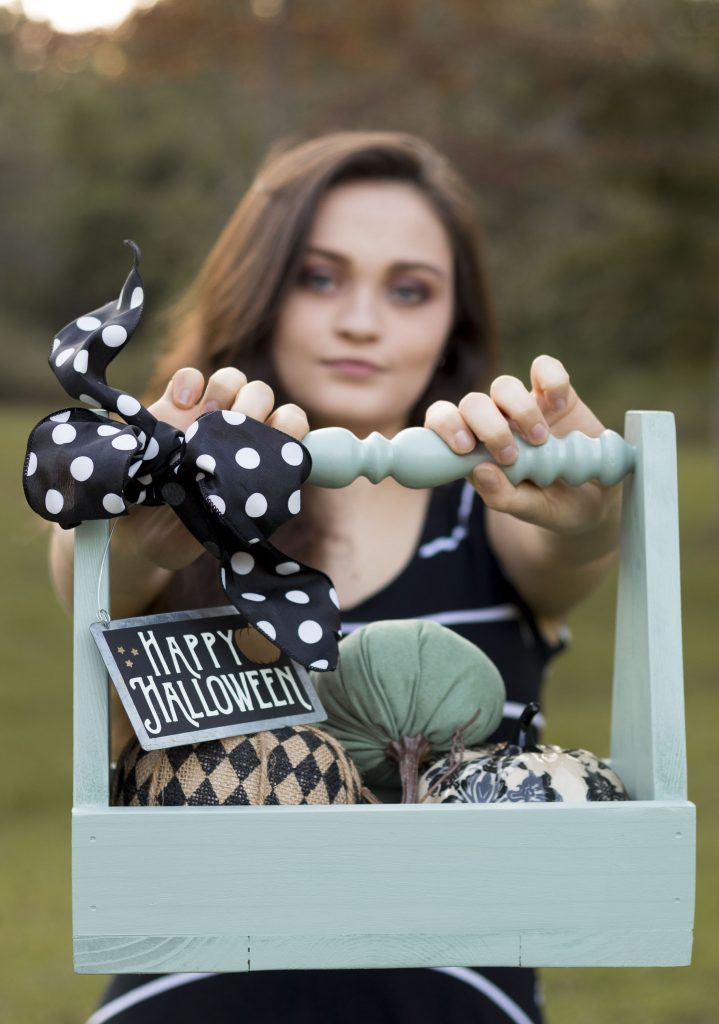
[(417, 457)]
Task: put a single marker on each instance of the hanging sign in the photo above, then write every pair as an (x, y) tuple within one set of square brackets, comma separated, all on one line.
[(183, 677)]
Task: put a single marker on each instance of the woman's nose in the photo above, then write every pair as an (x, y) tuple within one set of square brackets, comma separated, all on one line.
[(358, 318)]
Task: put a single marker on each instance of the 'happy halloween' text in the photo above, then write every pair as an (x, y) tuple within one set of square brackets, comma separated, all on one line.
[(205, 689), (185, 677)]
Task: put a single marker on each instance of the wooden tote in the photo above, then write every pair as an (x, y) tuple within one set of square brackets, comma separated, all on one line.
[(160, 889)]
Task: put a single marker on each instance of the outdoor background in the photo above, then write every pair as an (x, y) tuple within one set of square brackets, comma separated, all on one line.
[(590, 134)]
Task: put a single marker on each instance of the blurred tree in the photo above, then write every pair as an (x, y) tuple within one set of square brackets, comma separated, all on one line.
[(588, 129)]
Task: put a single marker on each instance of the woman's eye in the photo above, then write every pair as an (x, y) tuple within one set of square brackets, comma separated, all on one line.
[(317, 280), (409, 293)]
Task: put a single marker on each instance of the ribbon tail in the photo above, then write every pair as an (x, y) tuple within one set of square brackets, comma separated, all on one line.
[(84, 348), (291, 604), (298, 612)]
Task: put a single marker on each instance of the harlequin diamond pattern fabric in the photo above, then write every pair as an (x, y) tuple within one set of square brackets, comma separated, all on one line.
[(292, 765)]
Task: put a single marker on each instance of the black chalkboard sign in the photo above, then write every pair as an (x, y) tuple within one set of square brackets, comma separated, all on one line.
[(183, 678)]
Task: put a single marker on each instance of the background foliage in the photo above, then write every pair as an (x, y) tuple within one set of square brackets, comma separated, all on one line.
[(588, 129)]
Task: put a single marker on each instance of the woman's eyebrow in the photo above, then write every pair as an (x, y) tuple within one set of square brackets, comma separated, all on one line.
[(337, 257), (416, 265)]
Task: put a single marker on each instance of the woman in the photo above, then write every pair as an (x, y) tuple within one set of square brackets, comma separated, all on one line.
[(347, 290)]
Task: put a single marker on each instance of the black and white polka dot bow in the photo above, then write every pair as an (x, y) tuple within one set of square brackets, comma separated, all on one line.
[(230, 479)]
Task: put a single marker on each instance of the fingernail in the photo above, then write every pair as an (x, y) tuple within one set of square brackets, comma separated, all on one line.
[(464, 441), (210, 405), (538, 432), (185, 396), (508, 454)]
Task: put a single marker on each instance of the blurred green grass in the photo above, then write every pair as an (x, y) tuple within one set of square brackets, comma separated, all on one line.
[(36, 785)]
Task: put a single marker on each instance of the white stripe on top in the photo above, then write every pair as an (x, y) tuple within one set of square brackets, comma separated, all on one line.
[(514, 1012), (170, 981), (495, 613), (513, 709), (459, 532)]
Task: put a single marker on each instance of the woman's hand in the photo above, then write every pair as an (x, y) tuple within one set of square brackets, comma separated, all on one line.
[(187, 397), (552, 406), (151, 543), (555, 542), (157, 533)]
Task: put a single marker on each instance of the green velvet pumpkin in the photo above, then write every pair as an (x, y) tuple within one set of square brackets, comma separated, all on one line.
[(407, 678)]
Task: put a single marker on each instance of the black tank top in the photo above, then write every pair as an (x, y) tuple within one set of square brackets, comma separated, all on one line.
[(454, 578)]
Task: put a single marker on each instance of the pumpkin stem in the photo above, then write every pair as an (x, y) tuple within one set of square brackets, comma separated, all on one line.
[(523, 737), (409, 752), (454, 757)]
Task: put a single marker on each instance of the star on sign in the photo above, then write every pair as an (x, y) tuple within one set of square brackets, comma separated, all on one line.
[(129, 663), (134, 652), (120, 650)]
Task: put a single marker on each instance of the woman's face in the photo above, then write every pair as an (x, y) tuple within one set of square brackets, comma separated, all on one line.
[(364, 326)]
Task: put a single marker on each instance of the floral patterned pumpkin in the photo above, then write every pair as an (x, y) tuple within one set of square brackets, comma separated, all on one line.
[(521, 772)]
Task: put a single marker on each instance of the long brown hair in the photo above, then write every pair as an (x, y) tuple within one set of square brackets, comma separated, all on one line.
[(229, 315)]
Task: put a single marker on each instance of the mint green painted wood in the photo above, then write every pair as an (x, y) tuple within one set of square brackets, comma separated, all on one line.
[(627, 947), (648, 735), (91, 750), (301, 887), (257, 953), (195, 889), (418, 457)]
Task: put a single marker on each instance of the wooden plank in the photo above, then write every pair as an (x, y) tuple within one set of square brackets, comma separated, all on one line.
[(298, 952), (624, 947), (648, 736), (572, 948), (477, 879), (91, 748)]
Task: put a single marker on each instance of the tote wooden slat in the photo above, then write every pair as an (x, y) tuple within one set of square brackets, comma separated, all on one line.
[(243, 888)]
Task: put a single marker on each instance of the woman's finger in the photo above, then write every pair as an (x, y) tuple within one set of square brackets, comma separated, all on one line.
[(445, 419), (552, 387), (222, 388), (519, 405), (525, 501), (493, 487), (255, 399), (177, 404), (291, 420), (185, 388), (487, 423)]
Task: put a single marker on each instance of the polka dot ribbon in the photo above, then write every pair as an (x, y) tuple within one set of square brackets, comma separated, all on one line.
[(230, 479)]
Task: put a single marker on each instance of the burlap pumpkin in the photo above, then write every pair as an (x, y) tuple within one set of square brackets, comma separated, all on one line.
[(291, 765)]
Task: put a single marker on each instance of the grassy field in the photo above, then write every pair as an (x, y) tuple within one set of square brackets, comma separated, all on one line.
[(35, 787)]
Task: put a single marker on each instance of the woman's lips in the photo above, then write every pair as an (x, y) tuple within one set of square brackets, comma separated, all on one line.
[(357, 368)]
